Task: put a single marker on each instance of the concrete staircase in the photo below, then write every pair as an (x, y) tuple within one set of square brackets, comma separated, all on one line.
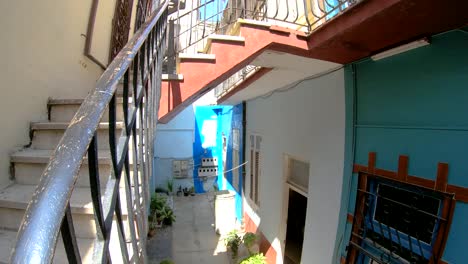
[(223, 56), (27, 166)]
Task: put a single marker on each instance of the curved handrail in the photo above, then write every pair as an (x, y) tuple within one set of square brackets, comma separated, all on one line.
[(41, 224)]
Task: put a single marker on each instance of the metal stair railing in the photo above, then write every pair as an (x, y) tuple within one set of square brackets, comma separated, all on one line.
[(235, 80), (208, 17), (139, 67)]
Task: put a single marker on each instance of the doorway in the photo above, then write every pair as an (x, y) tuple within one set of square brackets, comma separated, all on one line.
[(295, 224)]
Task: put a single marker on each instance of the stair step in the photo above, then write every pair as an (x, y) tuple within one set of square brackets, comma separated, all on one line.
[(8, 238), (172, 77), (254, 22), (198, 56), (15, 199), (227, 38), (221, 38), (30, 163), (46, 135), (63, 110)]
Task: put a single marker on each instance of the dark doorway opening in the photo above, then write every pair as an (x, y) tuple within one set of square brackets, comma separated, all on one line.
[(297, 208)]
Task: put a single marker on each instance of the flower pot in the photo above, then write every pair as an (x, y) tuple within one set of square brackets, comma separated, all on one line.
[(151, 232)]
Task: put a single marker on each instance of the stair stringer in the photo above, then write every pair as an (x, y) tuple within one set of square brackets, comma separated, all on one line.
[(202, 76)]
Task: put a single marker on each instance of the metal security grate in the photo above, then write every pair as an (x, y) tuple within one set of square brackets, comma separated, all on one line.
[(396, 222)]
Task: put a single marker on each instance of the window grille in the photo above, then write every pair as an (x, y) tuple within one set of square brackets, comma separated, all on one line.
[(395, 222)]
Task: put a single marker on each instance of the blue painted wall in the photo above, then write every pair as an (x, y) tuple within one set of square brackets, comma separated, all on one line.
[(212, 123), (414, 104)]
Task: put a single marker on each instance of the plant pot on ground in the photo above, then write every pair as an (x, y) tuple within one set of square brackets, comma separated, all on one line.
[(160, 212), (232, 242)]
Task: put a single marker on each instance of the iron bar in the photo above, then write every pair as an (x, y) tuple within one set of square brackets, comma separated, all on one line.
[(50, 203), (95, 186), (69, 238), (399, 221), (402, 204)]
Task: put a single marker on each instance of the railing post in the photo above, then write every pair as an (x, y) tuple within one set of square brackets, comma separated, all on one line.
[(171, 51)]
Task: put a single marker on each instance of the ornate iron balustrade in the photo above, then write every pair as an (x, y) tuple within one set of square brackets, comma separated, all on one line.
[(138, 66), (212, 17)]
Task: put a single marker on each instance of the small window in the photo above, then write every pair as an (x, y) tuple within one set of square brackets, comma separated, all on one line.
[(236, 170), (396, 222), (298, 174), (255, 148)]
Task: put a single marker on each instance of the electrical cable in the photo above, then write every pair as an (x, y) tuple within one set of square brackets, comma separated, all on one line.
[(295, 84)]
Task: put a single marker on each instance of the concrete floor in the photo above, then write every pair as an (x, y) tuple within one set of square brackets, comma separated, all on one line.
[(193, 238)]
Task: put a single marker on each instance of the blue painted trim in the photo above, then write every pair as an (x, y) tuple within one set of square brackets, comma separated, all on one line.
[(442, 128), (350, 119)]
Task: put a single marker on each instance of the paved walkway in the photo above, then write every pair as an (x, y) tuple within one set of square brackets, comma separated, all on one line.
[(193, 239)]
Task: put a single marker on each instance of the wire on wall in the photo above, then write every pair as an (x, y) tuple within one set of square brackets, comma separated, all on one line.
[(297, 83)]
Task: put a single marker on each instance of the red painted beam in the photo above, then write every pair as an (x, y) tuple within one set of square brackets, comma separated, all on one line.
[(375, 25)]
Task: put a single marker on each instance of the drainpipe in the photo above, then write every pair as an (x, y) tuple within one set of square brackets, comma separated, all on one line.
[(244, 140)]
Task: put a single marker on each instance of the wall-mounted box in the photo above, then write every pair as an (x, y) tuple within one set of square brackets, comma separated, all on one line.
[(209, 162), (207, 171)]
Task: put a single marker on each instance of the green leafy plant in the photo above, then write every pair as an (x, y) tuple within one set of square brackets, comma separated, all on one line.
[(167, 216), (157, 202), (160, 211), (249, 240), (233, 241), (166, 261), (170, 185), (255, 259)]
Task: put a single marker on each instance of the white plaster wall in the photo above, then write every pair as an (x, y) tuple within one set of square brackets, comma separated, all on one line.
[(307, 122), (174, 140), (42, 56), (100, 45)]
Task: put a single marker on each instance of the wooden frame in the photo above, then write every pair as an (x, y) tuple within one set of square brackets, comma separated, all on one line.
[(440, 185)]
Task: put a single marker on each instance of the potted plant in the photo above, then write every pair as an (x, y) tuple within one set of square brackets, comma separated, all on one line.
[(152, 225), (249, 240), (255, 259), (186, 191), (232, 242), (167, 216), (170, 185)]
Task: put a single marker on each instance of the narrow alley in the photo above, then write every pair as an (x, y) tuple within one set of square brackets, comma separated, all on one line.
[(192, 238)]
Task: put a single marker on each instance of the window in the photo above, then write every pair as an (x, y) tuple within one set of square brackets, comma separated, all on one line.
[(235, 158), (395, 222), (298, 174), (255, 143)]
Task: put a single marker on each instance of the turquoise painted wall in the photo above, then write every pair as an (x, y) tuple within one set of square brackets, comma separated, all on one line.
[(415, 104), (212, 123)]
